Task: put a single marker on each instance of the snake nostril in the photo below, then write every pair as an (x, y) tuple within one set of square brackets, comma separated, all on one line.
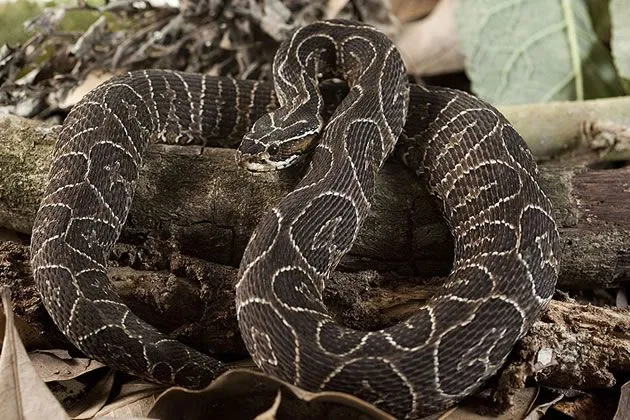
[(273, 149)]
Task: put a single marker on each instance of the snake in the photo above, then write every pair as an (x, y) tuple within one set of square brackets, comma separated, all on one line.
[(474, 163)]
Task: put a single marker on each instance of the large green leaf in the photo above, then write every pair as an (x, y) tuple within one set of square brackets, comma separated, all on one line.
[(620, 39), (524, 51)]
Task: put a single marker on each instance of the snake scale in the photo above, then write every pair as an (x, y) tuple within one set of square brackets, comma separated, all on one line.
[(475, 164)]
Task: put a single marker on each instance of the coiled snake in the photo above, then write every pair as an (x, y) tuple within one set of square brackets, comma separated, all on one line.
[(476, 165)]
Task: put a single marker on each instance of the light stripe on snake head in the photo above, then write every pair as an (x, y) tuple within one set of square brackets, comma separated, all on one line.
[(286, 135)]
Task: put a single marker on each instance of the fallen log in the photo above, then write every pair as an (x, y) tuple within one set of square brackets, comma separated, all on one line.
[(195, 209), (206, 204)]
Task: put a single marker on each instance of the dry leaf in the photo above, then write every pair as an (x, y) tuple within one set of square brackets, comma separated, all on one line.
[(431, 46), (407, 11), (95, 399), (623, 408), (334, 7), (91, 81), (23, 395), (621, 300), (30, 336), (273, 17), (539, 411), (57, 365), (243, 393), (273, 410), (135, 399)]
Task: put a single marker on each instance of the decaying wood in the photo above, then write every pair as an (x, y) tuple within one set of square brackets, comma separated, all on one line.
[(208, 206), (193, 299), (573, 346), (195, 209)]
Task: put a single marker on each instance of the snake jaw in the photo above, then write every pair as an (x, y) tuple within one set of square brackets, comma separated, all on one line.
[(261, 162), (255, 163), (258, 156)]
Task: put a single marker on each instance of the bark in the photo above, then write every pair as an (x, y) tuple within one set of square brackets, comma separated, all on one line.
[(208, 206)]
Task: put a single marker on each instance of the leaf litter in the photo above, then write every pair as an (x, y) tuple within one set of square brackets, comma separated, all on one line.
[(243, 393)]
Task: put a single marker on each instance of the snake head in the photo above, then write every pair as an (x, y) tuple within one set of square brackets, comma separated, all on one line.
[(279, 139)]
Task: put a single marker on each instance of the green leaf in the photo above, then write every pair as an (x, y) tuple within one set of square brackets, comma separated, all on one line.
[(12, 18), (524, 51), (620, 39)]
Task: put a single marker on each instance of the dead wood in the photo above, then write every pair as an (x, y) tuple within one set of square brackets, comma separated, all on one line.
[(573, 346), (195, 209), (194, 212), (202, 202)]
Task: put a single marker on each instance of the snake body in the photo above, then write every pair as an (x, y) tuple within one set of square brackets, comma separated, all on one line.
[(476, 165)]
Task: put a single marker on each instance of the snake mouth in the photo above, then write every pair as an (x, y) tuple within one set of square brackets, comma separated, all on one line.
[(261, 162), (275, 156)]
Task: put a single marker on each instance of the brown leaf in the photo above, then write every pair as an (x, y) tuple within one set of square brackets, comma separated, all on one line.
[(273, 18), (57, 365), (407, 11), (621, 300), (135, 399), (23, 395), (334, 7), (623, 408), (92, 80), (270, 414), (95, 399), (30, 336), (243, 393), (539, 411)]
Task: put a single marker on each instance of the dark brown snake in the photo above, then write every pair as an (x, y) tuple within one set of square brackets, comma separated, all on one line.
[(476, 165)]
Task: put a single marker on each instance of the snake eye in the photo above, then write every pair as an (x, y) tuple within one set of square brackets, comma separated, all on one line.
[(273, 149)]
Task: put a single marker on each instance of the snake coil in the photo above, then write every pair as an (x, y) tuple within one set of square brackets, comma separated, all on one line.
[(476, 165)]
